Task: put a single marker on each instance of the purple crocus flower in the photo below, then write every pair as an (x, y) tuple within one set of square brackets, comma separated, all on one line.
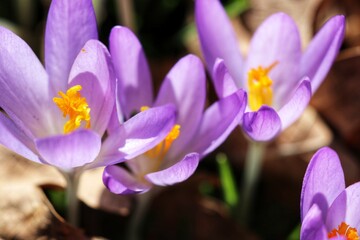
[(328, 210), (195, 134), (277, 76), (58, 115)]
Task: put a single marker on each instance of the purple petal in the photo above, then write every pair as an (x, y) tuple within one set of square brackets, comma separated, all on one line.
[(184, 86), (292, 110), (120, 181), (24, 84), (92, 70), (178, 172), (263, 125), (70, 24), (323, 181), (14, 139), (147, 129), (117, 116), (218, 121), (71, 150), (137, 135), (322, 50), (132, 70), (345, 208), (313, 226), (276, 40), (217, 36), (114, 122), (223, 82)]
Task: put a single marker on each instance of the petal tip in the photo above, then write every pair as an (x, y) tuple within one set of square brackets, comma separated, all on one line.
[(262, 125), (118, 181), (178, 172)]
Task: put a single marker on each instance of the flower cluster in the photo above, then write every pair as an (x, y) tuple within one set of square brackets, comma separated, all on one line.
[(78, 112), (91, 106), (279, 79)]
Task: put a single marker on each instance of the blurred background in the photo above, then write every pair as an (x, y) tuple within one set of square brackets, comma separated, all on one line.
[(197, 208)]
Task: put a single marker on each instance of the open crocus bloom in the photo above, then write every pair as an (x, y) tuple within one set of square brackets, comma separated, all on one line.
[(277, 76), (195, 133), (328, 210), (58, 116)]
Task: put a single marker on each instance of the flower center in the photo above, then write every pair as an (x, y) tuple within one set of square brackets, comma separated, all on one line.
[(260, 91), (159, 151), (73, 104), (344, 230)]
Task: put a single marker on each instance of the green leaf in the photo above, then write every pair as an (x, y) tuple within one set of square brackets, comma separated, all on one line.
[(295, 234), (227, 180), (57, 199), (236, 7)]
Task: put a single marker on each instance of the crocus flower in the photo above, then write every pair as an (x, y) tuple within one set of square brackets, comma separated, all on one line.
[(196, 132), (277, 76), (58, 115), (328, 209)]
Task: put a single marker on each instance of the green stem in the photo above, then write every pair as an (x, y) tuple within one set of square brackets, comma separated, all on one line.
[(253, 163), (72, 201), (137, 217)]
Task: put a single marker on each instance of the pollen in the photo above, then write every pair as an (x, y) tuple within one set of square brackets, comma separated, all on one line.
[(75, 106), (160, 150), (144, 108), (260, 87), (344, 230)]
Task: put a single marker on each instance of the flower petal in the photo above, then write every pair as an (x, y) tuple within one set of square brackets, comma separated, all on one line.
[(93, 70), (147, 128), (276, 40), (120, 181), (345, 208), (262, 125), (184, 86), (71, 150), (24, 84), (137, 135), (292, 110), (322, 50), (178, 172), (132, 70), (218, 121), (313, 226), (14, 139), (223, 82), (323, 181), (217, 36), (114, 122), (70, 24)]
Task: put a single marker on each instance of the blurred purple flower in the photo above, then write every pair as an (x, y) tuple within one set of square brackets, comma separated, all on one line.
[(58, 116), (277, 76), (328, 210), (195, 134)]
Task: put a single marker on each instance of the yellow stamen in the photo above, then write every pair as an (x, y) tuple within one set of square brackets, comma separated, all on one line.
[(344, 230), (159, 151), (74, 105), (260, 87), (144, 108)]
